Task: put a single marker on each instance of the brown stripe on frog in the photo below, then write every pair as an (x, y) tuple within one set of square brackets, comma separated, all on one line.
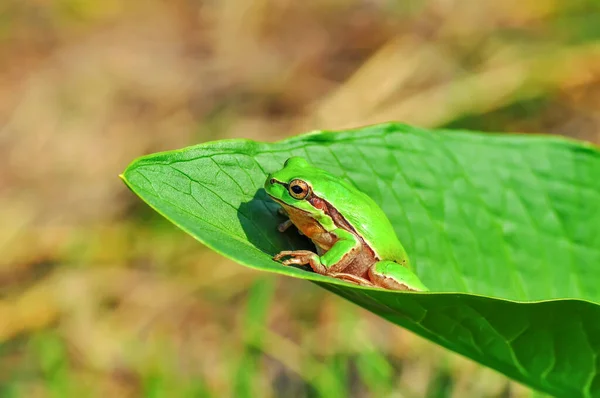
[(341, 222)]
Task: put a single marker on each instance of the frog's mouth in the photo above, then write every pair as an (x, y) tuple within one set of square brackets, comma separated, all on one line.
[(287, 207)]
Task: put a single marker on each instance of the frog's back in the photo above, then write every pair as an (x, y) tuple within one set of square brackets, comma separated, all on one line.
[(368, 220), (382, 238)]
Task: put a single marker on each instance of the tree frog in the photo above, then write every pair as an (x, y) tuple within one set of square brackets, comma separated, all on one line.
[(354, 239)]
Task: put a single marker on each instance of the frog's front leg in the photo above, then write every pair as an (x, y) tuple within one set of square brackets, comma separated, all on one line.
[(284, 225), (334, 260), (393, 276), (287, 223), (302, 257)]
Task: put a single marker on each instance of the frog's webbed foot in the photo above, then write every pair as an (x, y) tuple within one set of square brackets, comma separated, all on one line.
[(302, 257), (391, 284), (351, 278), (393, 276)]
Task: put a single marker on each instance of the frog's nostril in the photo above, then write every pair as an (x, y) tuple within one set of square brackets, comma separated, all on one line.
[(272, 181)]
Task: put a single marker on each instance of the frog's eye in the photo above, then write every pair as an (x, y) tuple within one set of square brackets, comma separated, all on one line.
[(298, 189)]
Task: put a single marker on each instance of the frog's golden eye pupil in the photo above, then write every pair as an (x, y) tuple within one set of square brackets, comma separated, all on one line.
[(298, 189)]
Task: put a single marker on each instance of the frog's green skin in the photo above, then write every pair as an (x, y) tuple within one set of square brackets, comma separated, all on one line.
[(355, 241)]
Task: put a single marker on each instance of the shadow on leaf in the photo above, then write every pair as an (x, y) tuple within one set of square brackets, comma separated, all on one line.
[(259, 218)]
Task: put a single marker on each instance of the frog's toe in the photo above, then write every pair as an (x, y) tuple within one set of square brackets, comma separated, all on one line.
[(296, 256), (282, 254), (351, 278), (294, 261)]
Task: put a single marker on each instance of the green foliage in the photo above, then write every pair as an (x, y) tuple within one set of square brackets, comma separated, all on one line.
[(260, 296), (504, 229)]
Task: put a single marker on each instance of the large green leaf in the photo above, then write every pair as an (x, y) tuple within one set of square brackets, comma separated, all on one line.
[(504, 229)]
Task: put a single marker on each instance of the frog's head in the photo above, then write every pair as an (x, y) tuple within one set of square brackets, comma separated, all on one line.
[(292, 185)]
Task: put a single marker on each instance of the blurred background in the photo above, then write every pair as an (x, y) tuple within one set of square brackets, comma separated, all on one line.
[(101, 297)]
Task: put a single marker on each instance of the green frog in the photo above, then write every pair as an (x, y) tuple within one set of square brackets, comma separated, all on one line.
[(354, 239)]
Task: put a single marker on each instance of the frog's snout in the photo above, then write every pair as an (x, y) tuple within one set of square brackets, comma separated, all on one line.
[(269, 181)]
